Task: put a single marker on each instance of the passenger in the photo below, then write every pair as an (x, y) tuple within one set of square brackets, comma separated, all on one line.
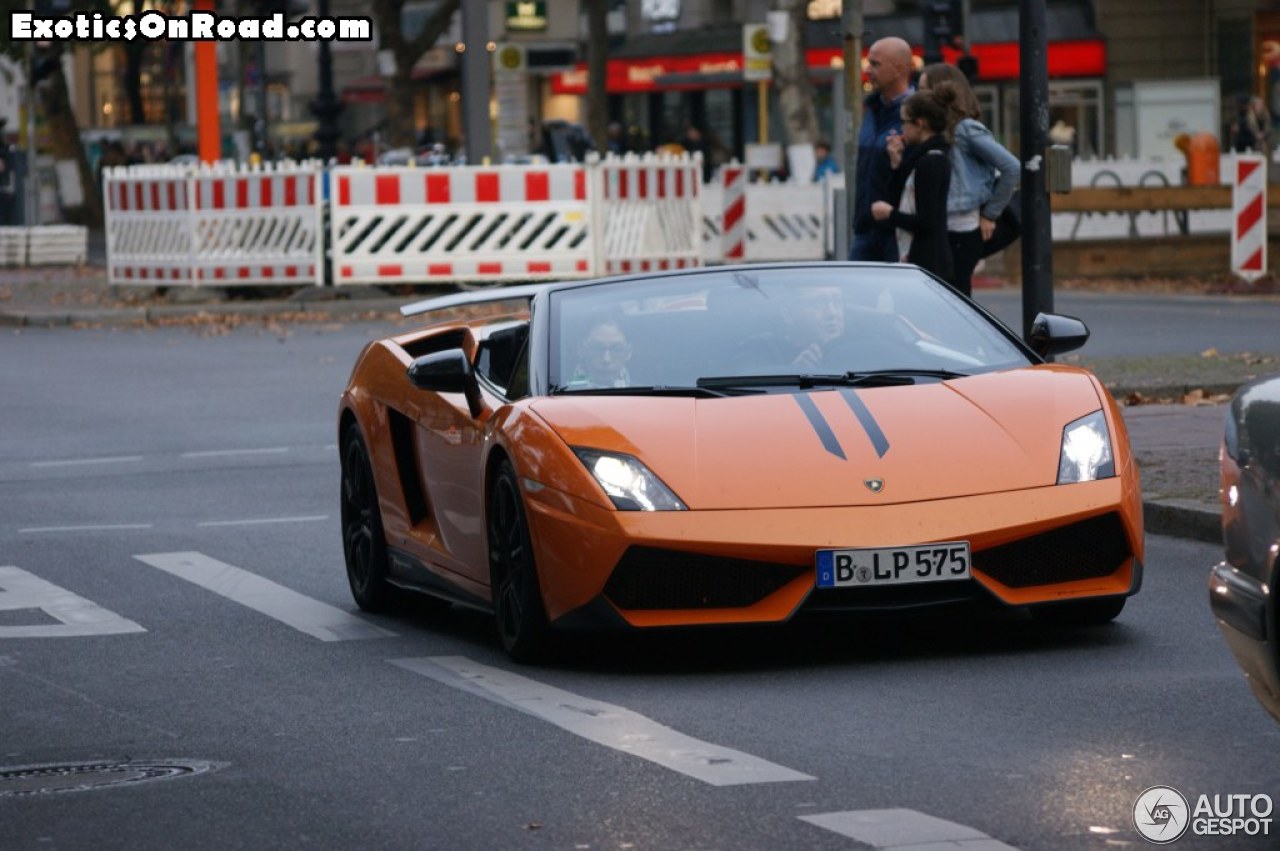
[(603, 355)]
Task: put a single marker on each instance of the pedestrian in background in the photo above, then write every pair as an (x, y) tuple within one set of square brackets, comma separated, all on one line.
[(924, 173), (824, 163), (984, 174), (889, 72)]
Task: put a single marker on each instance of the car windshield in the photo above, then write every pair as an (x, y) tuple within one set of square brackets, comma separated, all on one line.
[(770, 328)]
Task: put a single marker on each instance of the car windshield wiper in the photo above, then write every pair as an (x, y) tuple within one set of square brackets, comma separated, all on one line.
[(649, 390), (874, 378)]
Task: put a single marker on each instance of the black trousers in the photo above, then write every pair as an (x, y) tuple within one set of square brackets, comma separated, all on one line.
[(966, 251)]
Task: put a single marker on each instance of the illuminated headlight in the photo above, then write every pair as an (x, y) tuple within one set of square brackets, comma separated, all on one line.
[(1086, 451), (630, 484)]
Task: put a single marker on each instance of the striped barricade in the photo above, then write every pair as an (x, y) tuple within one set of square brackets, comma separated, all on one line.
[(222, 225), (148, 225), (650, 213), (259, 227), (460, 223), (766, 222), (1249, 216)]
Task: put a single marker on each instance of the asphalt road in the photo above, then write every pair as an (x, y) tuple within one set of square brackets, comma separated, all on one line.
[(1146, 324), (127, 458)]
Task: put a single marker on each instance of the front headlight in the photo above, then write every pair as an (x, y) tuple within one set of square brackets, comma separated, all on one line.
[(629, 483), (1086, 450)]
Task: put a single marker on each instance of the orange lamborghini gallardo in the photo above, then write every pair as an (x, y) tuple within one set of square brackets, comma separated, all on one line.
[(733, 445)]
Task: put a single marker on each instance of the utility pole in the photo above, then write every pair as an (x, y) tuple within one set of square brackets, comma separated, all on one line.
[(475, 81), (326, 107), (1037, 256), (32, 214), (851, 29)]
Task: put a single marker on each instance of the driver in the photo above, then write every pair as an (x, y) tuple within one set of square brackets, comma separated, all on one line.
[(813, 322)]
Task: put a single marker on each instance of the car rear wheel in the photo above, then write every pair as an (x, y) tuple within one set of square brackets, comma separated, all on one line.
[(363, 541), (517, 597), (1080, 612)]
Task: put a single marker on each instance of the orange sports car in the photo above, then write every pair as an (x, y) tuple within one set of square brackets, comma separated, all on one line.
[(733, 445)]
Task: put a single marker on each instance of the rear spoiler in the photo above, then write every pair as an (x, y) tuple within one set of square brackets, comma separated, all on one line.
[(491, 294)]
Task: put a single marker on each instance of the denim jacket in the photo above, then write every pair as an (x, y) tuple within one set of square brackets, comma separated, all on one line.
[(983, 173)]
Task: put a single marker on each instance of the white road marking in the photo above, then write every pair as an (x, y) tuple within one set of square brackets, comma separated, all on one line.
[(265, 520), (905, 830), (108, 527), (219, 453), (22, 590), (69, 462), (304, 614), (603, 723)]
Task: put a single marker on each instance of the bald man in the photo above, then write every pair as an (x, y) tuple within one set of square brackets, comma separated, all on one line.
[(889, 72)]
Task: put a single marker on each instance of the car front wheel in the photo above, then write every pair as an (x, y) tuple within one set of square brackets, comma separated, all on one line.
[(517, 597), (363, 542)]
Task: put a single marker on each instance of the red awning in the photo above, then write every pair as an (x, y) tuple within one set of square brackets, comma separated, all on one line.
[(998, 61)]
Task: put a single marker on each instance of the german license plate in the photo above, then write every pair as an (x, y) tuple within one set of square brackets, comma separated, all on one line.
[(941, 562)]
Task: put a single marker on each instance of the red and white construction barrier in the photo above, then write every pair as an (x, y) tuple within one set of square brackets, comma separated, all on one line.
[(734, 224), (459, 223), (225, 224), (649, 214), (1249, 216)]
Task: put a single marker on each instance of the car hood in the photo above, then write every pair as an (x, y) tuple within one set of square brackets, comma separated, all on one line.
[(982, 434)]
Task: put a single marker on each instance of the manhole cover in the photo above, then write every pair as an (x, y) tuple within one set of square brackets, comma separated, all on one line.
[(78, 777)]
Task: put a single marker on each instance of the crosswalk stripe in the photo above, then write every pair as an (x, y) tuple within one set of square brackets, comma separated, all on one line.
[(304, 614), (21, 590), (905, 830), (602, 723)]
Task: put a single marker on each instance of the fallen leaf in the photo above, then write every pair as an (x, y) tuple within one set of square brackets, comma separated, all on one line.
[(533, 825), (1209, 353), (1194, 397)]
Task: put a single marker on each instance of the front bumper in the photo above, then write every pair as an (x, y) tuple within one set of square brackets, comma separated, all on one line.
[(593, 562)]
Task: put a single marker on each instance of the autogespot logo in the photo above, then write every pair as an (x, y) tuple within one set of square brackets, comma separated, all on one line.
[(1161, 815)]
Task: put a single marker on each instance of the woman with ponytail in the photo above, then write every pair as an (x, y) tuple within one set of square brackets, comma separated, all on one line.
[(984, 174)]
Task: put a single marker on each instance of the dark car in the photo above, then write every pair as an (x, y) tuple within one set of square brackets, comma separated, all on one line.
[(1241, 588)]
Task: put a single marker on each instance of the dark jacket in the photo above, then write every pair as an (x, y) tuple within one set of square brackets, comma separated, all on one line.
[(879, 119), (930, 248)]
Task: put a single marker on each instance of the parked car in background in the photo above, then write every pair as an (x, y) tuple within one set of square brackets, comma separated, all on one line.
[(734, 445), (1242, 587)]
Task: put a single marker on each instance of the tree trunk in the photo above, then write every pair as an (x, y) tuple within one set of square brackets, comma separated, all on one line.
[(791, 77), (133, 80), (400, 131), (597, 54), (64, 137)]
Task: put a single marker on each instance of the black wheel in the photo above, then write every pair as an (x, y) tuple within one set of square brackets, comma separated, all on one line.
[(1080, 612), (363, 541), (517, 597)]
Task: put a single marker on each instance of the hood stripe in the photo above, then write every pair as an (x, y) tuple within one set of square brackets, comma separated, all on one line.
[(869, 424), (820, 426)]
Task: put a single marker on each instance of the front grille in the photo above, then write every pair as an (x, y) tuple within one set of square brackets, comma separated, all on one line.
[(653, 578), (895, 599), (1084, 550)]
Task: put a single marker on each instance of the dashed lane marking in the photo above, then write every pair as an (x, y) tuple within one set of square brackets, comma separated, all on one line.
[(101, 527), (603, 723), (905, 830), (319, 620), (222, 453), (78, 616), (265, 521), (71, 462)]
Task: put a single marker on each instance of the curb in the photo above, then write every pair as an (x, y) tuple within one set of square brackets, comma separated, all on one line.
[(1183, 518), (135, 316)]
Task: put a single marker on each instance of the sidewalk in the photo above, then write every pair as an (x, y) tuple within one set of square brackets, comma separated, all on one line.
[(1175, 440)]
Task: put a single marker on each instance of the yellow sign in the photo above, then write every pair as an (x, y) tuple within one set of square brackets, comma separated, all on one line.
[(757, 52), (510, 58)]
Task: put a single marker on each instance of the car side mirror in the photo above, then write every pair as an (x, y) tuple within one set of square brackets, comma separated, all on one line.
[(1053, 334), (447, 371)]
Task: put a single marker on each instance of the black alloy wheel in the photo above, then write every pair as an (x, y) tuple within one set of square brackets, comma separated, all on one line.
[(363, 542), (517, 597)]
